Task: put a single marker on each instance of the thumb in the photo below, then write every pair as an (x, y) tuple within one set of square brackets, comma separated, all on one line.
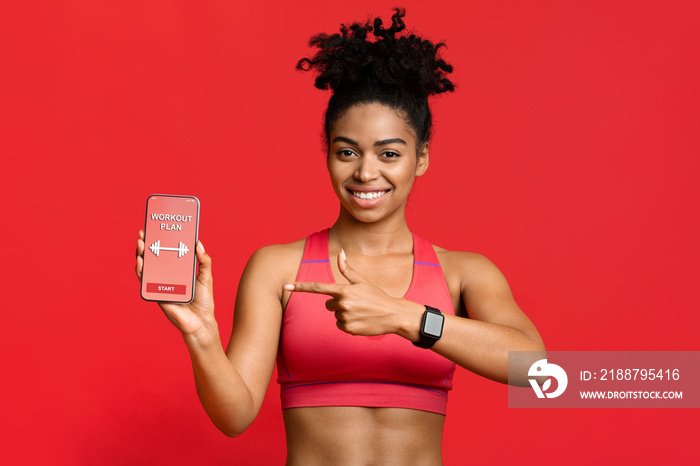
[(347, 271)]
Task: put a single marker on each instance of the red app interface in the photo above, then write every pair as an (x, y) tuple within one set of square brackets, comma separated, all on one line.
[(169, 253)]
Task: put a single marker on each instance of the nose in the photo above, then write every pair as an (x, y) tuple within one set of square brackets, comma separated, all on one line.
[(366, 169)]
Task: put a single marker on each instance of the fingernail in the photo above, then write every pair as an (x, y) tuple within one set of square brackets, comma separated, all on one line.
[(201, 246), (289, 287), (342, 254)]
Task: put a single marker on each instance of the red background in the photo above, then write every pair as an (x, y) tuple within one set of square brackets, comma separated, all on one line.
[(568, 156)]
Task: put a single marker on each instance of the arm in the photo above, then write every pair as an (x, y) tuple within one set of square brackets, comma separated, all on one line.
[(231, 385), (495, 325), (479, 344)]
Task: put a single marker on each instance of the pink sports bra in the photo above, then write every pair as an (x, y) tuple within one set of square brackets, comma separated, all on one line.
[(319, 365)]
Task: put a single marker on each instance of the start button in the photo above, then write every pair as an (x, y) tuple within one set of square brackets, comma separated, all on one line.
[(166, 288)]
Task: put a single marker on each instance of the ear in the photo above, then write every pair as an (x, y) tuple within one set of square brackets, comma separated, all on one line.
[(423, 160)]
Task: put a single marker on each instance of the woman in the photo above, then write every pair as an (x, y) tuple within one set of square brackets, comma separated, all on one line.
[(339, 310)]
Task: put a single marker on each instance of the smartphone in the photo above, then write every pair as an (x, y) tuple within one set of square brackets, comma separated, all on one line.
[(169, 259)]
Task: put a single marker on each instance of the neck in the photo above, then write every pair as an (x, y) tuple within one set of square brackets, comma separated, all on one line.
[(390, 235)]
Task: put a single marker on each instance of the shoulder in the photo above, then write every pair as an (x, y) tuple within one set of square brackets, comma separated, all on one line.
[(269, 269), (280, 252), (463, 261), (277, 259), (470, 271), (482, 287)]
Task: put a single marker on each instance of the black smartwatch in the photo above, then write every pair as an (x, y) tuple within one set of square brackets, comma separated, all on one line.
[(430, 328)]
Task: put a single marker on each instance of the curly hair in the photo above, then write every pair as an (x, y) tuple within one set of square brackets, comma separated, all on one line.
[(397, 70)]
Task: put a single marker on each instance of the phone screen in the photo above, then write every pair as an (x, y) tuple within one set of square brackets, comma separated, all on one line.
[(169, 258)]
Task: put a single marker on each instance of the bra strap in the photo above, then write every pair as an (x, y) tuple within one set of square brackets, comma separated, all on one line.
[(315, 264), (423, 252)]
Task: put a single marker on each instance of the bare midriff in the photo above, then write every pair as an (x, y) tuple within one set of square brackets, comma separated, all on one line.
[(351, 435)]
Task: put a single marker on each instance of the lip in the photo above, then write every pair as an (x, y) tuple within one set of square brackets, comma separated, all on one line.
[(367, 203)]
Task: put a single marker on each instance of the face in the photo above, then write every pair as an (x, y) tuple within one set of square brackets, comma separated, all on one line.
[(372, 162)]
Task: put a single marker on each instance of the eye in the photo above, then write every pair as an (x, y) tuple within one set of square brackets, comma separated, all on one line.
[(345, 153), (391, 155)]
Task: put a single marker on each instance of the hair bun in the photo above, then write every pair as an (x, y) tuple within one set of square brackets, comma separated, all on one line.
[(349, 59)]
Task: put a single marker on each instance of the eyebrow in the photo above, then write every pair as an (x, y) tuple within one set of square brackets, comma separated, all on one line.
[(383, 142)]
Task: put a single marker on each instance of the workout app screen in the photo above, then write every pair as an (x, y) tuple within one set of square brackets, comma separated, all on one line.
[(169, 253)]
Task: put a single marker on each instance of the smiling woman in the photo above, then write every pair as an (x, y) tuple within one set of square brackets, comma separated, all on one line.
[(366, 320), (372, 162)]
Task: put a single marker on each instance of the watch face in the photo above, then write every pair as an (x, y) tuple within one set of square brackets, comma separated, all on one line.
[(433, 324)]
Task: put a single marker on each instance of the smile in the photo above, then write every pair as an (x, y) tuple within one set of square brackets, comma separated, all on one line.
[(373, 195)]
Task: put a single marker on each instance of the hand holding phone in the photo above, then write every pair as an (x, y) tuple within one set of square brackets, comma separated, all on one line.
[(187, 302)]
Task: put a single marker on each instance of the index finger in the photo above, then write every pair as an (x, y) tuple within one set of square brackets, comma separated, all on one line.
[(331, 289)]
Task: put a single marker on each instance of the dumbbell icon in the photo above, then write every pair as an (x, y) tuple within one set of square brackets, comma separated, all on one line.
[(156, 248)]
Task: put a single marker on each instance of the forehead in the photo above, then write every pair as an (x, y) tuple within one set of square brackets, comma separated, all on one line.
[(369, 122)]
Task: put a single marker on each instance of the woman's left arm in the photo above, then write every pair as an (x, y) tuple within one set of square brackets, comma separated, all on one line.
[(481, 343), (495, 326)]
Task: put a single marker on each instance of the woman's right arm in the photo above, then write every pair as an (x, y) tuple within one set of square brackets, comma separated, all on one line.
[(231, 385)]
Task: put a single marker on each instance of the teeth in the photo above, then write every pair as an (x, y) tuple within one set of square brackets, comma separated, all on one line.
[(373, 195)]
